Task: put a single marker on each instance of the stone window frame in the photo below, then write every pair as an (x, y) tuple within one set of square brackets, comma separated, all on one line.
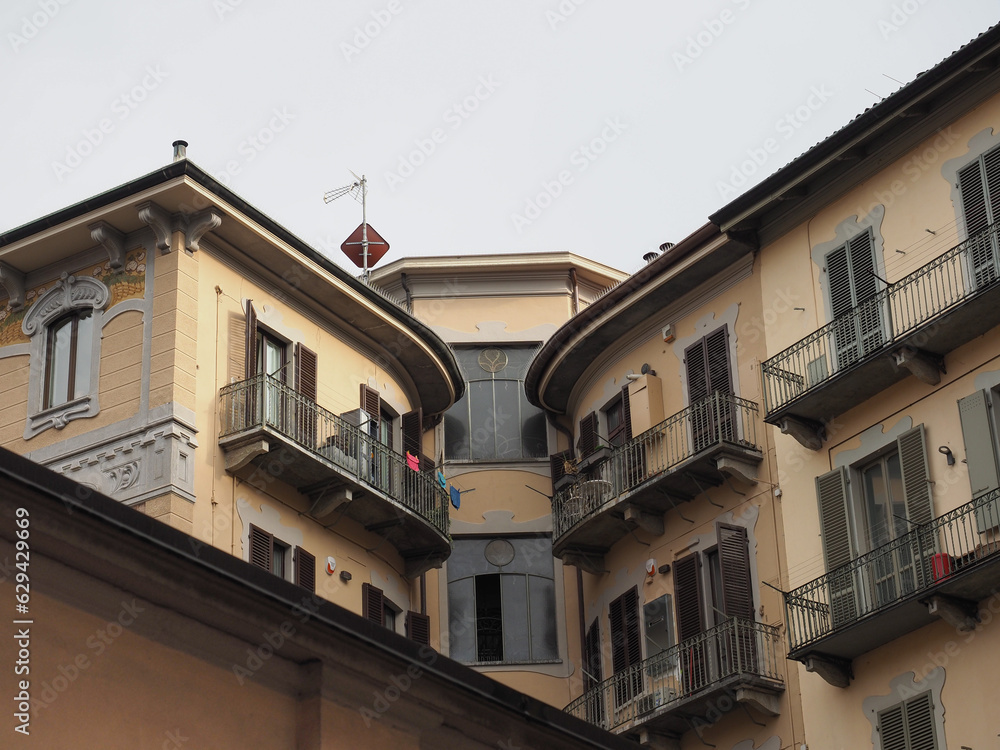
[(69, 295)]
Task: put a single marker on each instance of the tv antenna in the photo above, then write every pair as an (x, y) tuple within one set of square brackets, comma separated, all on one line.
[(364, 237)]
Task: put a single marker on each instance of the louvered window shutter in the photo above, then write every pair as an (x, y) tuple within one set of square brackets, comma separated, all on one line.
[(838, 274), (372, 603), (687, 597), (717, 355), (592, 655), (979, 188), (909, 725), (633, 635), (305, 569), (920, 726), (418, 628), (261, 546), (412, 428), (557, 465), (306, 385), (980, 453), (626, 414), (831, 493), (916, 487), (697, 371), (371, 402), (250, 362), (587, 441), (616, 618), (892, 728), (734, 564)]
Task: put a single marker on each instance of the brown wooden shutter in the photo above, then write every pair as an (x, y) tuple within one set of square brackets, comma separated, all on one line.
[(250, 362), (418, 628), (734, 565), (687, 597), (305, 569), (626, 642), (696, 365), (306, 385), (626, 414), (372, 603), (371, 402), (305, 371), (557, 465), (592, 655), (587, 440), (720, 378), (261, 545), (411, 425)]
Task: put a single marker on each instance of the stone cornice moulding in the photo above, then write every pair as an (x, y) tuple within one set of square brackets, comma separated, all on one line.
[(197, 225), (156, 217), (69, 293), (13, 281)]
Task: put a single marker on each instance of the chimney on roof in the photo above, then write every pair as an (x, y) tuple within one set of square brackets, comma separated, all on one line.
[(180, 150), (666, 246)]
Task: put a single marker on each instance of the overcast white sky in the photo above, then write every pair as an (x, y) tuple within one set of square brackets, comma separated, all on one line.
[(600, 128)]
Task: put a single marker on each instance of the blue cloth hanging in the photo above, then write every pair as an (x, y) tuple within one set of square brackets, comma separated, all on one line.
[(456, 497)]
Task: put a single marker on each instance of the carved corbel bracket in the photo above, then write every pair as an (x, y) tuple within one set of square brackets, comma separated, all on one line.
[(13, 282), (809, 433), (924, 366), (159, 221), (197, 225), (111, 240)]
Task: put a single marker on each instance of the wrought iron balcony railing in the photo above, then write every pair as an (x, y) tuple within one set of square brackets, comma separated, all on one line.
[(883, 320), (673, 678), (720, 419), (931, 556), (264, 402)]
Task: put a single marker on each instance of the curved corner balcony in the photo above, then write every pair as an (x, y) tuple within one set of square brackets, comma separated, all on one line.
[(341, 468), (940, 569), (688, 686), (906, 328), (669, 464)]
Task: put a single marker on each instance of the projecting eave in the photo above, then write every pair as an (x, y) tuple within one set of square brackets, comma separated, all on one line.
[(565, 357), (405, 344), (881, 134)]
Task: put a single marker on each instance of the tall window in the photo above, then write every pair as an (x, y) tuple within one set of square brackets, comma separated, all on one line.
[(852, 285), (275, 556), (501, 600), (979, 186), (494, 420), (68, 358), (909, 725), (889, 494)]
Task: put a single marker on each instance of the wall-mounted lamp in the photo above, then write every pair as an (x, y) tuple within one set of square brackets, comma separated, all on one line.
[(663, 569), (345, 576), (947, 451)]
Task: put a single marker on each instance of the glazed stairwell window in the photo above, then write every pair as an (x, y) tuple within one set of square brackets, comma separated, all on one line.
[(64, 326)]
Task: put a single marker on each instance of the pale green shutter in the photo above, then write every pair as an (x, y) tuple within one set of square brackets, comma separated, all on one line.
[(980, 453), (892, 728), (831, 492), (916, 486)]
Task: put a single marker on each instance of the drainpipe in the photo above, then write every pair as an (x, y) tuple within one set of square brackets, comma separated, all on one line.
[(565, 431), (576, 290), (406, 291)]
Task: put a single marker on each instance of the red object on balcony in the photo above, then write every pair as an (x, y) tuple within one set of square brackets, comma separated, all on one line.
[(942, 566)]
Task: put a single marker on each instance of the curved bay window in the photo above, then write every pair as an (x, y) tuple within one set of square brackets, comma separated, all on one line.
[(68, 358), (494, 420)]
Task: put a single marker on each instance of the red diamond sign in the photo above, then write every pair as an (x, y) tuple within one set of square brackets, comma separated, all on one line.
[(353, 249)]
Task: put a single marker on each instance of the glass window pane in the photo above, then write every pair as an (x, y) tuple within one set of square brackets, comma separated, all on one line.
[(481, 422), (462, 620), (531, 555), (533, 434), (542, 607), (876, 505), (516, 643), (60, 339), (507, 418), (84, 338), (468, 558), (896, 495), (456, 429)]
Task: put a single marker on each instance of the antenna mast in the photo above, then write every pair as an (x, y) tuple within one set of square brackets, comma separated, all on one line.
[(359, 191)]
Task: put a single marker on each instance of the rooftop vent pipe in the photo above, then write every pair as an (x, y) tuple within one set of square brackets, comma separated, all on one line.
[(180, 150)]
